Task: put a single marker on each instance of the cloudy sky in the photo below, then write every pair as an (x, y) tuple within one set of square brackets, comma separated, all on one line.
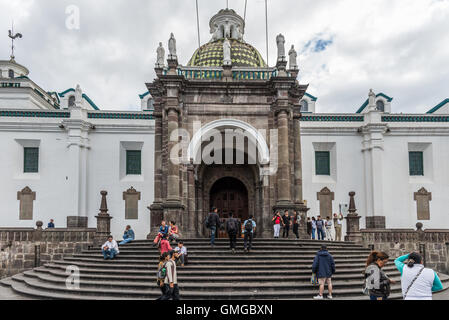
[(346, 47)]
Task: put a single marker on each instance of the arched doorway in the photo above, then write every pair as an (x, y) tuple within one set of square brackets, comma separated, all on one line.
[(229, 195)]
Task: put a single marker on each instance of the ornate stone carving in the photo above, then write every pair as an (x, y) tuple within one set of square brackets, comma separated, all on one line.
[(293, 56), (423, 198), (280, 40), (131, 197), (325, 196), (172, 47), (26, 198), (227, 53), (160, 63)]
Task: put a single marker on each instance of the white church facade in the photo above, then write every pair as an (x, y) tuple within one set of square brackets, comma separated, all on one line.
[(59, 150)]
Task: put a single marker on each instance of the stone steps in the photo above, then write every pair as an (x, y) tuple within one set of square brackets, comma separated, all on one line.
[(212, 273)]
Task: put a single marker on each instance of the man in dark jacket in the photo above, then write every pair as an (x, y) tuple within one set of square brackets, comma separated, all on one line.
[(324, 267), (213, 223), (232, 228)]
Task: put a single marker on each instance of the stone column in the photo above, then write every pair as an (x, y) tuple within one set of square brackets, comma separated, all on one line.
[(173, 168), (298, 197), (353, 222), (283, 174), (191, 199)]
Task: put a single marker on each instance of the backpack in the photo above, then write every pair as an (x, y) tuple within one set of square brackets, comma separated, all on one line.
[(232, 226), (162, 272), (249, 226), (207, 222)]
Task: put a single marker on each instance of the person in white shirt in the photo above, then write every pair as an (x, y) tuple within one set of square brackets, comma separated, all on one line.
[(338, 222), (181, 253), (417, 282), (110, 249)]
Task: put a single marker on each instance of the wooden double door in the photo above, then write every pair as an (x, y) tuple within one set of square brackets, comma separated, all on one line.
[(229, 195)]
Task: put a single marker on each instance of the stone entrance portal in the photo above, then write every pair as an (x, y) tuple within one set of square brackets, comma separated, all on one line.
[(216, 93)]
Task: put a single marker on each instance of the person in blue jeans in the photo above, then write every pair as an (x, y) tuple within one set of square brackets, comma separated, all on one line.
[(313, 228), (110, 249), (213, 223), (248, 230), (320, 228), (128, 236)]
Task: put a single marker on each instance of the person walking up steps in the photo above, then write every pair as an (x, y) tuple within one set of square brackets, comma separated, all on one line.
[(213, 223), (417, 282), (324, 267), (249, 226), (286, 223), (232, 228), (277, 220), (162, 273)]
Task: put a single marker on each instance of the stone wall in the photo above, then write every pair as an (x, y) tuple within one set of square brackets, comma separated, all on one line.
[(432, 244), (26, 248)]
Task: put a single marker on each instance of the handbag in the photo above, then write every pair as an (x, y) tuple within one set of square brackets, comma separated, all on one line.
[(314, 280), (413, 281)]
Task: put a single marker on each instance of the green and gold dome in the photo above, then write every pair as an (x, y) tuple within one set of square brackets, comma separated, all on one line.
[(242, 55)]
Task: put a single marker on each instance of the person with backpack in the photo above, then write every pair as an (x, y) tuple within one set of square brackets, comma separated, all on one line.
[(286, 223), (296, 220), (377, 284), (277, 220), (320, 228), (324, 267), (417, 282), (213, 223), (232, 228), (162, 273), (249, 226), (171, 279)]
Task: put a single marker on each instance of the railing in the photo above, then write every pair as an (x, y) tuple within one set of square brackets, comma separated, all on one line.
[(201, 74), (415, 118), (208, 73), (49, 235)]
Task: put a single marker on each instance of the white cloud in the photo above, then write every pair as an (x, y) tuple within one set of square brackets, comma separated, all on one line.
[(399, 47)]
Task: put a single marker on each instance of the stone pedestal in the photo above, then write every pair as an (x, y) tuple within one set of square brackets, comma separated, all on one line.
[(103, 221), (353, 222)]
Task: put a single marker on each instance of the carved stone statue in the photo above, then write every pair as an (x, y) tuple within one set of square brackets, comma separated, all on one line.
[(172, 46), (227, 53), (280, 40), (227, 29), (160, 56), (293, 55), (217, 34), (78, 96)]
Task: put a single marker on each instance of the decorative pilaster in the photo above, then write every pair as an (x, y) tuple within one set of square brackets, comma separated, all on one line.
[(298, 197), (284, 165)]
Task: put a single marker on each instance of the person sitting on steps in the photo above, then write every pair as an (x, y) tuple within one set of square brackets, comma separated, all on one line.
[(173, 233), (128, 235), (110, 249), (163, 230), (181, 253)]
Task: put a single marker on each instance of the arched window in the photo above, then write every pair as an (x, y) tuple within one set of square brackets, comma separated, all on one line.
[(71, 101), (304, 106), (380, 105), (11, 73)]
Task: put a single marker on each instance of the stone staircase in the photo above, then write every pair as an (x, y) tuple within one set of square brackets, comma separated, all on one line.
[(275, 269)]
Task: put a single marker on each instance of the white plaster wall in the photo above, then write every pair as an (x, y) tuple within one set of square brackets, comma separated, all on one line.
[(104, 173), (399, 187), (346, 171)]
